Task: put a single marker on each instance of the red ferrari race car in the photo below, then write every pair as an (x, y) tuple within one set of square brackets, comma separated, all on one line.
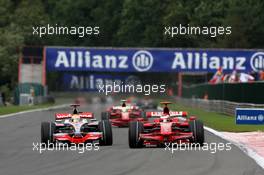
[(121, 115), (169, 127), (78, 127)]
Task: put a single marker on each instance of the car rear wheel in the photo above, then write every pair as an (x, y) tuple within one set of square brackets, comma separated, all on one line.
[(47, 131), (196, 127), (105, 116), (106, 128), (135, 128)]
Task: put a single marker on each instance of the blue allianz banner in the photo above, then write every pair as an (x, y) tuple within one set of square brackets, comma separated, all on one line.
[(152, 60), (249, 116), (91, 82)]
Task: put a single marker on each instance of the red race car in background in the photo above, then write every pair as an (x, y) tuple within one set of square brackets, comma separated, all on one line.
[(169, 127), (121, 115), (78, 127)]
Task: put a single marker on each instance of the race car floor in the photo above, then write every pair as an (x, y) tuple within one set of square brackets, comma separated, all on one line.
[(18, 157)]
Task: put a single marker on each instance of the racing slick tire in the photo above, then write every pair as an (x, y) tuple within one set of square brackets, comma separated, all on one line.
[(106, 128), (105, 116), (196, 127), (47, 131), (135, 128)]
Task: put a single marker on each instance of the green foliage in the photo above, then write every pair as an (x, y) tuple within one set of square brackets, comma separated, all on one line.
[(135, 22), (9, 41), (247, 20), (28, 14), (141, 23), (126, 23)]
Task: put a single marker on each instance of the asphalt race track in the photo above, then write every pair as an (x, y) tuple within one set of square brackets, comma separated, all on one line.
[(17, 155)]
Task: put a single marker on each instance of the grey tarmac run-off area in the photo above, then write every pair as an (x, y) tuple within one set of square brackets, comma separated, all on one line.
[(18, 158)]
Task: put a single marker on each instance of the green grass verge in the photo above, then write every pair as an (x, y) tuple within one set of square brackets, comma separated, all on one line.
[(14, 109), (217, 121)]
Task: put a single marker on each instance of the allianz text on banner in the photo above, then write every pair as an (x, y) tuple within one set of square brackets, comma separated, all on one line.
[(91, 82), (247, 116), (152, 60)]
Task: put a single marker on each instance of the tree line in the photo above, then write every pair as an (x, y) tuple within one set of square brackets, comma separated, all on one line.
[(126, 23)]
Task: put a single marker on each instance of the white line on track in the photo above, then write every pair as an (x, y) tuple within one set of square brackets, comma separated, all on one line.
[(250, 152), (34, 110)]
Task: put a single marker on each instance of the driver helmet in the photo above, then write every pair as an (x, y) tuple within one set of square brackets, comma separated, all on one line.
[(75, 118), (165, 117)]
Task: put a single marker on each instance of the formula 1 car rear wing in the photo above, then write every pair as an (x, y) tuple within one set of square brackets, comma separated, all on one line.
[(127, 107), (89, 115), (60, 116), (172, 114)]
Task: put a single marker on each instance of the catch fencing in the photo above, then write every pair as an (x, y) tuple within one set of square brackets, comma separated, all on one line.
[(219, 106)]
